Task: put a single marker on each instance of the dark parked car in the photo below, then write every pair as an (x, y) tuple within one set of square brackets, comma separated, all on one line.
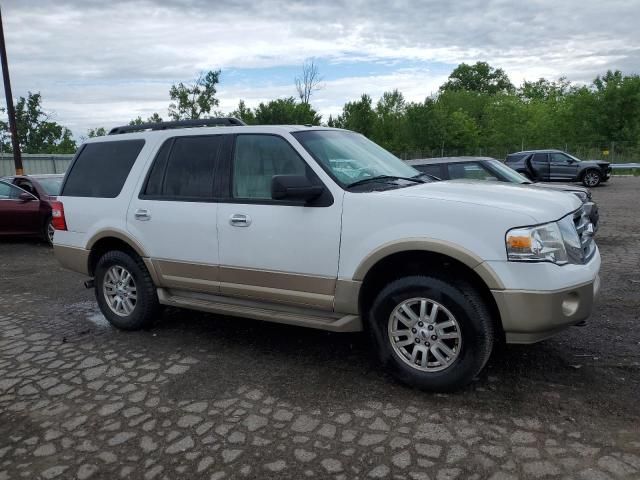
[(25, 205), (559, 166), (486, 168)]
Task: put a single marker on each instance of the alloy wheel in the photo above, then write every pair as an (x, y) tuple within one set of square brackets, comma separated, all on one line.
[(119, 289), (50, 232), (591, 179), (424, 334)]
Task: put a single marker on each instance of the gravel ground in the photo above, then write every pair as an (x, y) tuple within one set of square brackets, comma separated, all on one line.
[(201, 396)]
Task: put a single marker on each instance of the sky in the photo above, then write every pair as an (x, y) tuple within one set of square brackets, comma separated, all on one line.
[(102, 63)]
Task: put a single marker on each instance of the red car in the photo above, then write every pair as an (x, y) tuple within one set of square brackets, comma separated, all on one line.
[(25, 205)]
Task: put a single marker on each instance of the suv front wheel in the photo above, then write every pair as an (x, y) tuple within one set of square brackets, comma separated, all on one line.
[(125, 291), (431, 333), (591, 178)]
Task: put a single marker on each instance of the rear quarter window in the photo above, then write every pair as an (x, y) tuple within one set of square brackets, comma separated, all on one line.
[(101, 169), (514, 158)]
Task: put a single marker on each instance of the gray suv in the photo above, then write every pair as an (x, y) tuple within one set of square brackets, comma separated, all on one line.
[(559, 166)]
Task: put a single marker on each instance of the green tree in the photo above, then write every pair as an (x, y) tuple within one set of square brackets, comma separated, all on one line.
[(244, 113), (618, 106), (155, 118), (358, 116), (196, 99), (461, 133), (543, 89), (97, 132), (37, 133), (480, 77), (388, 129), (286, 111)]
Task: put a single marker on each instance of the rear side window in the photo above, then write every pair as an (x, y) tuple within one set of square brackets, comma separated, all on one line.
[(471, 171), (184, 168), (540, 158), (101, 169)]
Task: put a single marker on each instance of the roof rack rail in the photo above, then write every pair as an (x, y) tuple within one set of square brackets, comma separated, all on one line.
[(204, 122)]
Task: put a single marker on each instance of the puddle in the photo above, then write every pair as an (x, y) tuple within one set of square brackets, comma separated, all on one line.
[(99, 320)]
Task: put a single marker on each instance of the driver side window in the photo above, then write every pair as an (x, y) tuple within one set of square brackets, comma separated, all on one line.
[(560, 158), (257, 158)]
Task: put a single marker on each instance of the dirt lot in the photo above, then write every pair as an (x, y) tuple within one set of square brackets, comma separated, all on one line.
[(201, 396)]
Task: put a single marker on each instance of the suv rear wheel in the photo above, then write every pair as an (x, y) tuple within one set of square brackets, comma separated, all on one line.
[(591, 178), (431, 333), (125, 292)]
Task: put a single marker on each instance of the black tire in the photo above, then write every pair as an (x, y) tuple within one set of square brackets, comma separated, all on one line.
[(476, 327), (146, 307), (591, 178), (47, 235)]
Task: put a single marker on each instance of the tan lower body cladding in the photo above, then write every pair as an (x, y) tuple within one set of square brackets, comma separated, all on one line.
[(288, 288)]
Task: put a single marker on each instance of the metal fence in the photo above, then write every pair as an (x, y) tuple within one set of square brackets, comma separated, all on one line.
[(35, 163)]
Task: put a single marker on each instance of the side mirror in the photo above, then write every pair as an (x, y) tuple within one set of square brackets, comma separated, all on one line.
[(25, 197), (294, 187)]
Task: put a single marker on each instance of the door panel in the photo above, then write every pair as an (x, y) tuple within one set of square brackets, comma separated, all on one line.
[(562, 167), (176, 214), (539, 164), (18, 216), (279, 252)]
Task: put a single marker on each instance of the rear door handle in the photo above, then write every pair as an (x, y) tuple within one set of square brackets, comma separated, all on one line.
[(240, 220), (142, 214)]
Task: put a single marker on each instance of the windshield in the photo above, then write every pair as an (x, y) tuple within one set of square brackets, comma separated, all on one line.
[(510, 174), (51, 185), (350, 157)]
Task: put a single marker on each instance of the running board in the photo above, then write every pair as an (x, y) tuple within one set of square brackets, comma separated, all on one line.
[(270, 312)]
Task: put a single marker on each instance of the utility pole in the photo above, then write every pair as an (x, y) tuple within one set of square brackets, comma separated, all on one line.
[(17, 158)]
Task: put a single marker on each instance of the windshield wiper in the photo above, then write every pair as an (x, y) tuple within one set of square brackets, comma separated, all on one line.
[(432, 178), (383, 177)]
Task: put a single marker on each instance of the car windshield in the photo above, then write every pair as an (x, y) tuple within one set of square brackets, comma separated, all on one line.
[(350, 157), (508, 173), (51, 185)]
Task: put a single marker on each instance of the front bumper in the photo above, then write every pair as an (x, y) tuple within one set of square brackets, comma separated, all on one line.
[(531, 316), (591, 209)]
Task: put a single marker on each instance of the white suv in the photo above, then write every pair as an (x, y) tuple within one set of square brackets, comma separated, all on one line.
[(322, 228)]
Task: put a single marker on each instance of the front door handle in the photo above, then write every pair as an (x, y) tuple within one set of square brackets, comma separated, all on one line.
[(142, 214), (240, 220)]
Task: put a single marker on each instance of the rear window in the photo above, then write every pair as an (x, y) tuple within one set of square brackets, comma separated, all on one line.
[(51, 185), (101, 169), (184, 169)]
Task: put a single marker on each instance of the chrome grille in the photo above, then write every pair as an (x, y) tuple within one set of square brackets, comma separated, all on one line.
[(585, 231)]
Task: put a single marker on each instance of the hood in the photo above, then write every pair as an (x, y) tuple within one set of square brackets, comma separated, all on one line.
[(542, 205), (562, 187), (600, 163)]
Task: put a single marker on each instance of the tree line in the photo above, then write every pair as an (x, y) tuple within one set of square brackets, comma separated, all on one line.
[(476, 111)]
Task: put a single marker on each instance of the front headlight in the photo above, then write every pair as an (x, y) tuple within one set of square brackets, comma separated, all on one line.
[(542, 243), (582, 196)]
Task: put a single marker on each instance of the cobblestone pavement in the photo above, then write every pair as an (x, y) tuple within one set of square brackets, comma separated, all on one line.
[(201, 396)]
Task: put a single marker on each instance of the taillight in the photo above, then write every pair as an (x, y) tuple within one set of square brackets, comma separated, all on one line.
[(57, 216)]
